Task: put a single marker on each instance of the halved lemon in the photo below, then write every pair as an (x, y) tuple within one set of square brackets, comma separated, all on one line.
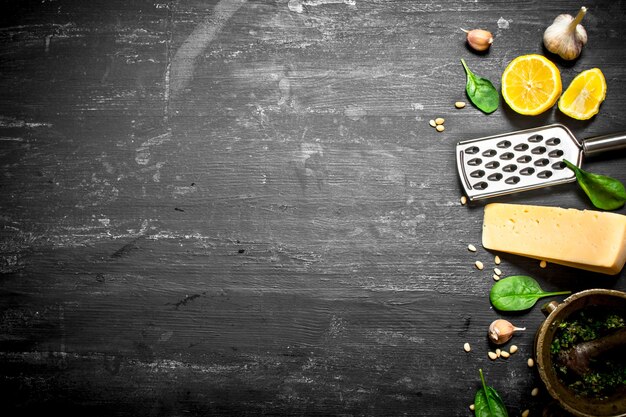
[(584, 95), (531, 84)]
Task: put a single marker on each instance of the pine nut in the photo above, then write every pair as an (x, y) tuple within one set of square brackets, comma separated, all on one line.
[(459, 104), (479, 265), (530, 362), (472, 407), (471, 248), (513, 349), (467, 347), (492, 356), (439, 120), (543, 264), (496, 278), (497, 271), (432, 123), (534, 392), (440, 128), (505, 354), (525, 413), (463, 200), (498, 352), (497, 260)]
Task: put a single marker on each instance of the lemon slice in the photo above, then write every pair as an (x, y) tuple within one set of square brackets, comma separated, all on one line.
[(531, 84), (584, 95)]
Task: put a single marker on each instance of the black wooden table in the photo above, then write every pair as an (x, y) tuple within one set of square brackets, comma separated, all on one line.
[(239, 207)]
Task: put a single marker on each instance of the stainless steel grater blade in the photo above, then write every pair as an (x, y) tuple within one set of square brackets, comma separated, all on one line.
[(525, 160)]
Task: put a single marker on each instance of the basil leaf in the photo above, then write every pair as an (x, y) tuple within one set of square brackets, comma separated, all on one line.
[(605, 193), (480, 91), (518, 292), (487, 401)]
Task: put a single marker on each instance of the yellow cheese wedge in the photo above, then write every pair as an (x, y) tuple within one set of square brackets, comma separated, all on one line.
[(585, 239)]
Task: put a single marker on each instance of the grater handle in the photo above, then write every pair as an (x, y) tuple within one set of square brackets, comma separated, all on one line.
[(604, 143)]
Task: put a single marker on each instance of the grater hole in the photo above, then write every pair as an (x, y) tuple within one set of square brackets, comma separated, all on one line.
[(545, 174), (472, 150), (512, 180), (521, 147), (495, 177), (538, 150), (489, 152), (510, 168), (479, 173), (527, 171), (535, 138), (475, 162), (506, 156), (481, 185), (553, 141), (504, 144), (556, 153), (492, 164), (542, 162), (524, 159), (558, 165)]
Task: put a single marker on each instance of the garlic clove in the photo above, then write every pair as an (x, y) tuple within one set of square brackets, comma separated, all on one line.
[(566, 36), (479, 39), (501, 331)]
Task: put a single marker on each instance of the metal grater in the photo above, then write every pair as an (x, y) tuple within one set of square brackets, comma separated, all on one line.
[(525, 160)]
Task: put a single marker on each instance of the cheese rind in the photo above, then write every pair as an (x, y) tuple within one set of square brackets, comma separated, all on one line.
[(585, 239)]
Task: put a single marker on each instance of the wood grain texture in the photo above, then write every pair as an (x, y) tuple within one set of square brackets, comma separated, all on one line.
[(239, 208)]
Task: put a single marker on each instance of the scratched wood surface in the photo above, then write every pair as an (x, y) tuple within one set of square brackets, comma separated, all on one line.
[(239, 208)]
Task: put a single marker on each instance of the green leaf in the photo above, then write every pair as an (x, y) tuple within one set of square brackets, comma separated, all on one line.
[(481, 91), (605, 193), (487, 401), (517, 293)]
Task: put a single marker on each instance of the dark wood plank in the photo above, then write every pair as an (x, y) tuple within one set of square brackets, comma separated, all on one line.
[(239, 208)]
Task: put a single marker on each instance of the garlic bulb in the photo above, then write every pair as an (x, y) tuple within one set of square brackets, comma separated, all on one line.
[(479, 39), (566, 36), (500, 331)]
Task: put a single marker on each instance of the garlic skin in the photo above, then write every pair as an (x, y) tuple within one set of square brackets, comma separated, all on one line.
[(479, 39), (566, 36), (501, 331)]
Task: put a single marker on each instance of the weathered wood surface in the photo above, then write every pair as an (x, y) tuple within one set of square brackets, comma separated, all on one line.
[(239, 208)]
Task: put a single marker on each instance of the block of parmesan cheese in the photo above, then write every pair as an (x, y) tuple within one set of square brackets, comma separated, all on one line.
[(585, 239)]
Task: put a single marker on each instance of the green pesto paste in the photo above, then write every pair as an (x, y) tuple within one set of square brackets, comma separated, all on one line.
[(607, 372)]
